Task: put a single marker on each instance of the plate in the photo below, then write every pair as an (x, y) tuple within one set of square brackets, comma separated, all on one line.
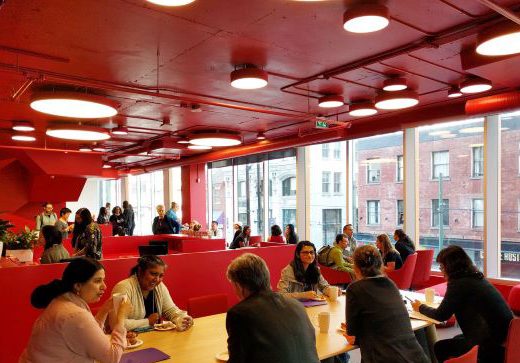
[(319, 298), (138, 343), (223, 356), (165, 326)]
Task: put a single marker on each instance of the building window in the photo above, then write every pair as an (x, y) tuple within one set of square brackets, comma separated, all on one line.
[(289, 216), (477, 213), (372, 212), (331, 224), (400, 168), (373, 171), (337, 182), (289, 186), (400, 212), (270, 187), (325, 151), (337, 150), (325, 181), (440, 210), (241, 189), (477, 156), (440, 164)]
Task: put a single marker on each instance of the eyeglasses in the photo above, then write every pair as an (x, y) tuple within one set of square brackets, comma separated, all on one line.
[(307, 253)]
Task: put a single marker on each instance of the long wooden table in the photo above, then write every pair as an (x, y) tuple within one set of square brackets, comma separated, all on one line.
[(208, 336)]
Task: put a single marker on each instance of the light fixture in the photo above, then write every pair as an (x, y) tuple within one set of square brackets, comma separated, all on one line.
[(215, 139), (106, 166), (100, 149), (499, 40), (171, 2), (85, 149), (199, 147), (472, 130), (475, 85), (82, 133), (395, 84), (454, 92), (120, 130), (362, 109), (260, 136), (366, 18), (396, 100), (23, 138), (249, 78), (72, 104), (331, 101), (183, 141), (23, 126)]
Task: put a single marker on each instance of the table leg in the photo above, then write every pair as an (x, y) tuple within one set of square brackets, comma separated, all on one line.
[(431, 338)]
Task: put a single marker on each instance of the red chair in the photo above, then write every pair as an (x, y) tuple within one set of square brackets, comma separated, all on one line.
[(469, 357), (276, 239), (514, 299), (513, 342), (335, 277), (253, 240), (403, 276), (423, 268), (207, 305)]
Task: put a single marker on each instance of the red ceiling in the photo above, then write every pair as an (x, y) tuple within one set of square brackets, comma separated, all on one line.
[(126, 49)]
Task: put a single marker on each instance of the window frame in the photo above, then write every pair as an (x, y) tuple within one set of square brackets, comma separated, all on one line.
[(369, 171), (473, 174), (399, 167), (433, 165), (473, 211), (325, 182), (337, 183), (377, 203), (433, 226)]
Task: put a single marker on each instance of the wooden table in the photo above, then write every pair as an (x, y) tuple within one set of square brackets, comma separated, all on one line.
[(208, 336)]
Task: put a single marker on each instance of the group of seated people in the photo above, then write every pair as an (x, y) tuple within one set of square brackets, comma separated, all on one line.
[(242, 235)]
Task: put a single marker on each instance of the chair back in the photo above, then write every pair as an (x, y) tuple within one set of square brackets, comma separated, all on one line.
[(207, 305), (423, 268), (255, 239), (514, 299), (335, 277), (469, 357), (403, 277), (153, 250), (276, 239), (513, 342)]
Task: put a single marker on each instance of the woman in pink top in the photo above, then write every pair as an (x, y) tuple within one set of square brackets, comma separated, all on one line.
[(67, 331)]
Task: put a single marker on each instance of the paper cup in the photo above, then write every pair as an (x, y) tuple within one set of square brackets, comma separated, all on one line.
[(324, 321), (429, 295), (333, 293)]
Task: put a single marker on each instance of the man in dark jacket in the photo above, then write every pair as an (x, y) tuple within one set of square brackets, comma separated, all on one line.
[(265, 326), (128, 215)]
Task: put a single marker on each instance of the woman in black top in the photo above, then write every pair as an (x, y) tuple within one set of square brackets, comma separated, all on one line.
[(377, 319), (481, 311), (102, 217), (404, 245), (242, 239), (391, 258), (118, 221), (290, 235)]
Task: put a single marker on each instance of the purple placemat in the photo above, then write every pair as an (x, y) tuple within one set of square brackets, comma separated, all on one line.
[(149, 355), (310, 303)]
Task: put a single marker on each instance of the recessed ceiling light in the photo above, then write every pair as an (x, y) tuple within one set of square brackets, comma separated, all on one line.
[(475, 85), (396, 100), (24, 126), (366, 18), (82, 133), (107, 166), (215, 139), (331, 101), (260, 136), (183, 141), (249, 78), (85, 149), (454, 92), (499, 40), (199, 147), (362, 109), (395, 84), (120, 130), (100, 149), (171, 2), (70, 104), (472, 130), (23, 138)]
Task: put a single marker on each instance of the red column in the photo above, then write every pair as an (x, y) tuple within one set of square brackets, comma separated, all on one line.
[(194, 193)]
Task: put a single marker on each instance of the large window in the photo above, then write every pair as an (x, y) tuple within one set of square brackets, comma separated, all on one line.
[(373, 171), (282, 176), (325, 181), (477, 216), (220, 181), (400, 168), (373, 212), (477, 161), (250, 173), (289, 217), (440, 164), (146, 191), (289, 186), (440, 211)]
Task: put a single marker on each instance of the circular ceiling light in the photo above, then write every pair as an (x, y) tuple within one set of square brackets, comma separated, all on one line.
[(475, 85), (362, 109), (501, 40), (23, 138), (331, 101), (454, 92), (107, 166), (366, 18), (396, 100), (120, 130), (249, 78), (70, 104), (215, 139), (23, 126), (80, 134), (183, 141), (171, 2), (100, 149), (261, 136), (199, 147), (395, 84)]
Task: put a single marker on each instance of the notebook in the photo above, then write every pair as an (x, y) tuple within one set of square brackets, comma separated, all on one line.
[(310, 303), (149, 355)]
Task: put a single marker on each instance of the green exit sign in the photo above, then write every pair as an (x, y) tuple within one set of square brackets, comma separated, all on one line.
[(321, 125)]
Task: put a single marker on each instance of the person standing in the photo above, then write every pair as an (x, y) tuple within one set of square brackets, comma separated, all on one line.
[(162, 224), (103, 217), (118, 222), (129, 217), (86, 236), (172, 212), (348, 230), (62, 224), (47, 217)]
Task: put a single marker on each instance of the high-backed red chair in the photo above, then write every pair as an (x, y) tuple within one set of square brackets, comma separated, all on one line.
[(514, 299), (276, 239), (469, 357), (403, 276), (254, 240), (335, 277), (207, 305), (423, 268), (513, 342)]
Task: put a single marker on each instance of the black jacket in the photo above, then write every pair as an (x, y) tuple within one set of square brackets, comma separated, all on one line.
[(405, 249), (163, 226)]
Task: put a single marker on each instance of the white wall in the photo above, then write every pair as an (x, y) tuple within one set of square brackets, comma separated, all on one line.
[(89, 198)]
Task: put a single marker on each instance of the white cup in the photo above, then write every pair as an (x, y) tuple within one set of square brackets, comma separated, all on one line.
[(333, 293), (324, 321), (429, 295)]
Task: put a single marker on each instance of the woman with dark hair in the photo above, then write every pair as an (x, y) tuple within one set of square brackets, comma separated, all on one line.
[(391, 258), (242, 240), (86, 236), (67, 331), (150, 298), (481, 311), (302, 279), (118, 221), (377, 319), (53, 251), (237, 227), (128, 215), (103, 217), (276, 234), (404, 245), (290, 235)]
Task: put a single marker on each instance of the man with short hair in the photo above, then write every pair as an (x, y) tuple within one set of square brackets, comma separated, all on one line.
[(335, 258), (348, 230), (62, 224), (214, 232), (265, 326), (46, 218)]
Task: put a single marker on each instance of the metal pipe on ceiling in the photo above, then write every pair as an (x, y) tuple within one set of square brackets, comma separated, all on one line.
[(501, 10)]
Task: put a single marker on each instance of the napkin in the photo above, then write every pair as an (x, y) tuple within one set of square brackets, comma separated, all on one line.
[(149, 355)]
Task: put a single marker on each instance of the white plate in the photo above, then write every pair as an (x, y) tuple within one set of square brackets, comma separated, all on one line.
[(138, 343), (223, 356), (161, 327), (319, 298)]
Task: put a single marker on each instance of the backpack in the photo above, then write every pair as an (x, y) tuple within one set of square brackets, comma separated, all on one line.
[(323, 256)]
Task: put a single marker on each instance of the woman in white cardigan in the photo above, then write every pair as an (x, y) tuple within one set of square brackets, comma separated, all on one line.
[(150, 298)]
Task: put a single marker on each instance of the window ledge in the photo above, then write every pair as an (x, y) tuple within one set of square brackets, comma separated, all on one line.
[(437, 179), (437, 228), (476, 177), (399, 182), (374, 183)]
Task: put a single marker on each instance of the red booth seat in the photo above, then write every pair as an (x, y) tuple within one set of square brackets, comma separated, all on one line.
[(514, 299), (335, 277), (403, 276), (423, 267)]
